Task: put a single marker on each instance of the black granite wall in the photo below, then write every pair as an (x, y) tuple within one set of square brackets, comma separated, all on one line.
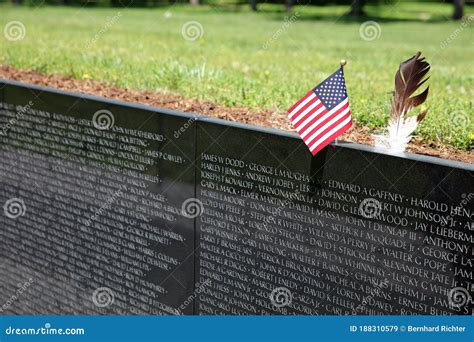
[(114, 208)]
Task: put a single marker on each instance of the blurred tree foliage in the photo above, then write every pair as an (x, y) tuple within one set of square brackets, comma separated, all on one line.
[(152, 3), (356, 6)]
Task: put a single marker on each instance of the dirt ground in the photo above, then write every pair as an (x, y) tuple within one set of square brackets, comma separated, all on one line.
[(261, 118)]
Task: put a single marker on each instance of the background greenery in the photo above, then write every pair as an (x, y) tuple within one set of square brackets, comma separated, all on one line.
[(258, 60)]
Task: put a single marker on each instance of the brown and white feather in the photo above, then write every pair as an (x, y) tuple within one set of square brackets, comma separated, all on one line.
[(410, 77)]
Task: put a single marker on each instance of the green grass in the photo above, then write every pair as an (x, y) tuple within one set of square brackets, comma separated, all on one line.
[(144, 49)]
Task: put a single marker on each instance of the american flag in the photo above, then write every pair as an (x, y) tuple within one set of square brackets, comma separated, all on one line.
[(323, 113)]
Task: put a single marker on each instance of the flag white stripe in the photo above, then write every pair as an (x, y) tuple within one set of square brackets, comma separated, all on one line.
[(306, 111), (324, 117), (302, 104), (330, 133), (309, 118), (328, 124)]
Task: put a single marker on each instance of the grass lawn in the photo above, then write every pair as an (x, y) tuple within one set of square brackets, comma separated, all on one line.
[(258, 60)]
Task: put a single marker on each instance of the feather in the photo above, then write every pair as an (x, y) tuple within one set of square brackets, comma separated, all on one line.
[(410, 77)]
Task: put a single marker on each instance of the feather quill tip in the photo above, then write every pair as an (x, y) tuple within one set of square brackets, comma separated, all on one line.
[(410, 77)]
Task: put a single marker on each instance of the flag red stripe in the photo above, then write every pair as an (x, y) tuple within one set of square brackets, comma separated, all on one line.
[(301, 100), (322, 134), (331, 138), (312, 113), (296, 117), (331, 113), (311, 121), (329, 132), (325, 121)]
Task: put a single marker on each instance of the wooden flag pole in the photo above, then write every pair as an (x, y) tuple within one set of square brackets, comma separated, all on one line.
[(343, 62)]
